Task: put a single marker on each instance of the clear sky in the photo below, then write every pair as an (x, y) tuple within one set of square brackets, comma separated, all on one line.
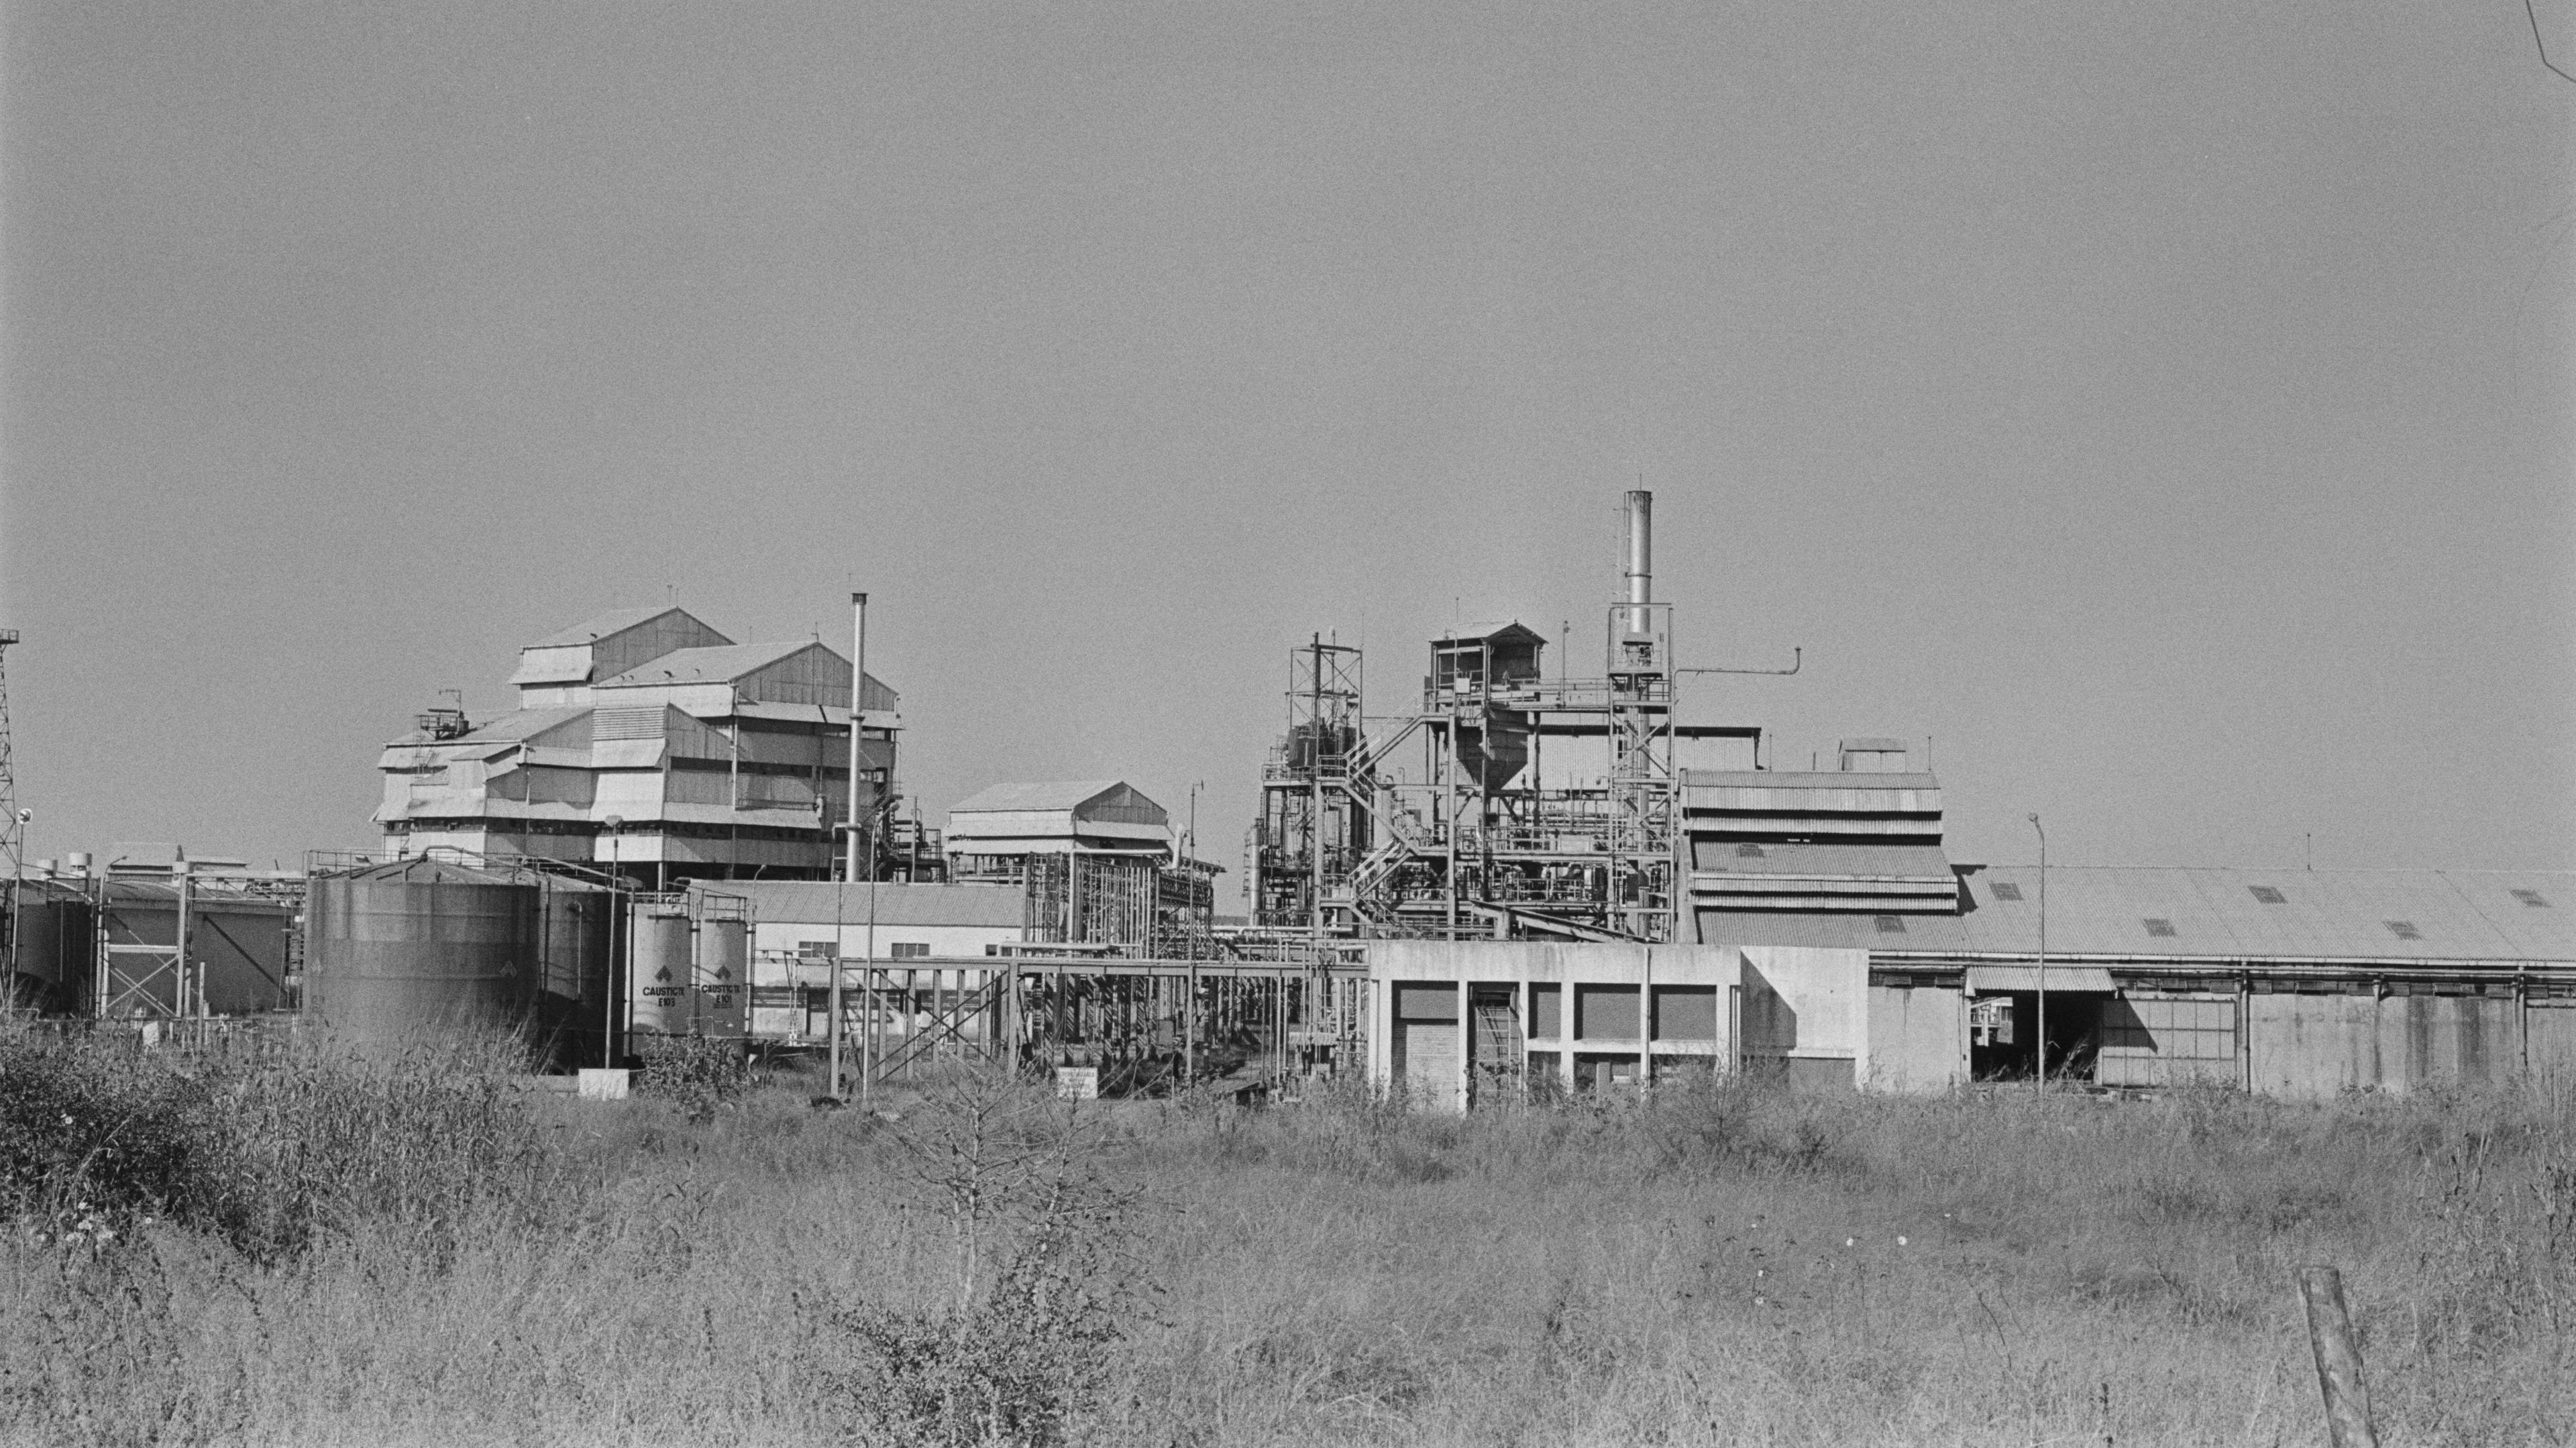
[(2167, 408)]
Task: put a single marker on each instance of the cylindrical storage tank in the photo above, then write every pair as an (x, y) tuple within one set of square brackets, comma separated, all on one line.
[(419, 946), (724, 977), (54, 949), (573, 978), (660, 994), (577, 916)]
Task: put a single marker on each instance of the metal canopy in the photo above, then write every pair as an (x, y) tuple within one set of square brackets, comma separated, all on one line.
[(2073, 979)]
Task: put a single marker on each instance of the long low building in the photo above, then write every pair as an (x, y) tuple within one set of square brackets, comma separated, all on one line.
[(2298, 983)]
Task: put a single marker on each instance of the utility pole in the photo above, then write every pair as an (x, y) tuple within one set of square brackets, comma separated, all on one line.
[(2040, 1027), (13, 823)]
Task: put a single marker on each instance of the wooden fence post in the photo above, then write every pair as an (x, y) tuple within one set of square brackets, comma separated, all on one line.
[(2338, 1361)]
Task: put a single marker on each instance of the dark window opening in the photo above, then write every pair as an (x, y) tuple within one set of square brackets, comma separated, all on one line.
[(2160, 927), (2269, 894)]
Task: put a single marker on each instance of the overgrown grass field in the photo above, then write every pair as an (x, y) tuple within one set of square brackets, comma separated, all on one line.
[(305, 1248)]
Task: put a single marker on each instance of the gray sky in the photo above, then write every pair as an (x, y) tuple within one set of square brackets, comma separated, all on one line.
[(2165, 407)]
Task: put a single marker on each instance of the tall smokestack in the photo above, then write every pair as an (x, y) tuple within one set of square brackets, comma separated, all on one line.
[(1641, 570)]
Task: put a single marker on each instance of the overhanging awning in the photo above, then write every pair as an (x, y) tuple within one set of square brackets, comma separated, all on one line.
[(1998, 979)]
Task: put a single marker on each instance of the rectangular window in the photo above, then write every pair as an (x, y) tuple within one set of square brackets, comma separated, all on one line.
[(2269, 894), (908, 949), (1891, 925), (2005, 891), (817, 949), (1426, 1002), (1685, 1013), (1605, 1012), (1547, 1011)]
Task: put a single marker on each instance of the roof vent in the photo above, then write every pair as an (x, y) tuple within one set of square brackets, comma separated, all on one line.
[(1748, 852), (2160, 927), (1891, 925), (2005, 891), (2531, 897), (2269, 894), (2403, 929)]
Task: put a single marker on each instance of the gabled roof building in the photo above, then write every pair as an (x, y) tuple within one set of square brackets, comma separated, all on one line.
[(716, 760)]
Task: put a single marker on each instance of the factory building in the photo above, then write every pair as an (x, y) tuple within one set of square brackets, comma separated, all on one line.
[(2281, 982), (1096, 858), (646, 742)]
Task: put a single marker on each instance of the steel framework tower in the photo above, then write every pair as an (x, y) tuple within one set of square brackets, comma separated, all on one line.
[(1472, 840)]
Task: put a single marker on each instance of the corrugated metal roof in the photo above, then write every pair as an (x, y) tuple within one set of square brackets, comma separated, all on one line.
[(1059, 795), (520, 724), (2321, 914), (1805, 779), (1720, 857), (1486, 630), (2005, 978), (615, 621), (1835, 931), (813, 901), (707, 666)]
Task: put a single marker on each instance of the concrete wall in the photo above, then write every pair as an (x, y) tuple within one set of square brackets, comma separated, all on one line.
[(1917, 1040), (1805, 1012), (2317, 1045), (1548, 986)]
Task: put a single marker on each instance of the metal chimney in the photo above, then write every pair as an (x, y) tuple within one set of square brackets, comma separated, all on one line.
[(1641, 572)]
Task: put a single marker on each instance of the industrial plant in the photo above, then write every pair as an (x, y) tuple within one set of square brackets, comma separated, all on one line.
[(1541, 875)]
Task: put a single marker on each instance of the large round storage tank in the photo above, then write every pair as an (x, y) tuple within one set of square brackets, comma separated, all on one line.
[(661, 999), (419, 946)]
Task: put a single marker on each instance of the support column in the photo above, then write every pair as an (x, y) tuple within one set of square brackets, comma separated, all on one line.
[(1466, 1045), (1645, 1016)]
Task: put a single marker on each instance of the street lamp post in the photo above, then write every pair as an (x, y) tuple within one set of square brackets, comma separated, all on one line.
[(2041, 1025), (608, 987)]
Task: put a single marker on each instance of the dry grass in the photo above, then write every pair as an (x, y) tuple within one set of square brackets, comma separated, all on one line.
[(1718, 1265)]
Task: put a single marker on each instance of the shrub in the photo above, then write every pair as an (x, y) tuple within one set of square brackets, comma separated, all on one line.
[(273, 1154), (698, 1073), (1017, 1355)]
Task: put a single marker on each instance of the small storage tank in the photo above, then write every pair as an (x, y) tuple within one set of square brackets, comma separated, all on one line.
[(421, 945), (661, 996), (724, 976)]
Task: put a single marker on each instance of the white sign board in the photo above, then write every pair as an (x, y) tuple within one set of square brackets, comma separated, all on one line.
[(1077, 1083)]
